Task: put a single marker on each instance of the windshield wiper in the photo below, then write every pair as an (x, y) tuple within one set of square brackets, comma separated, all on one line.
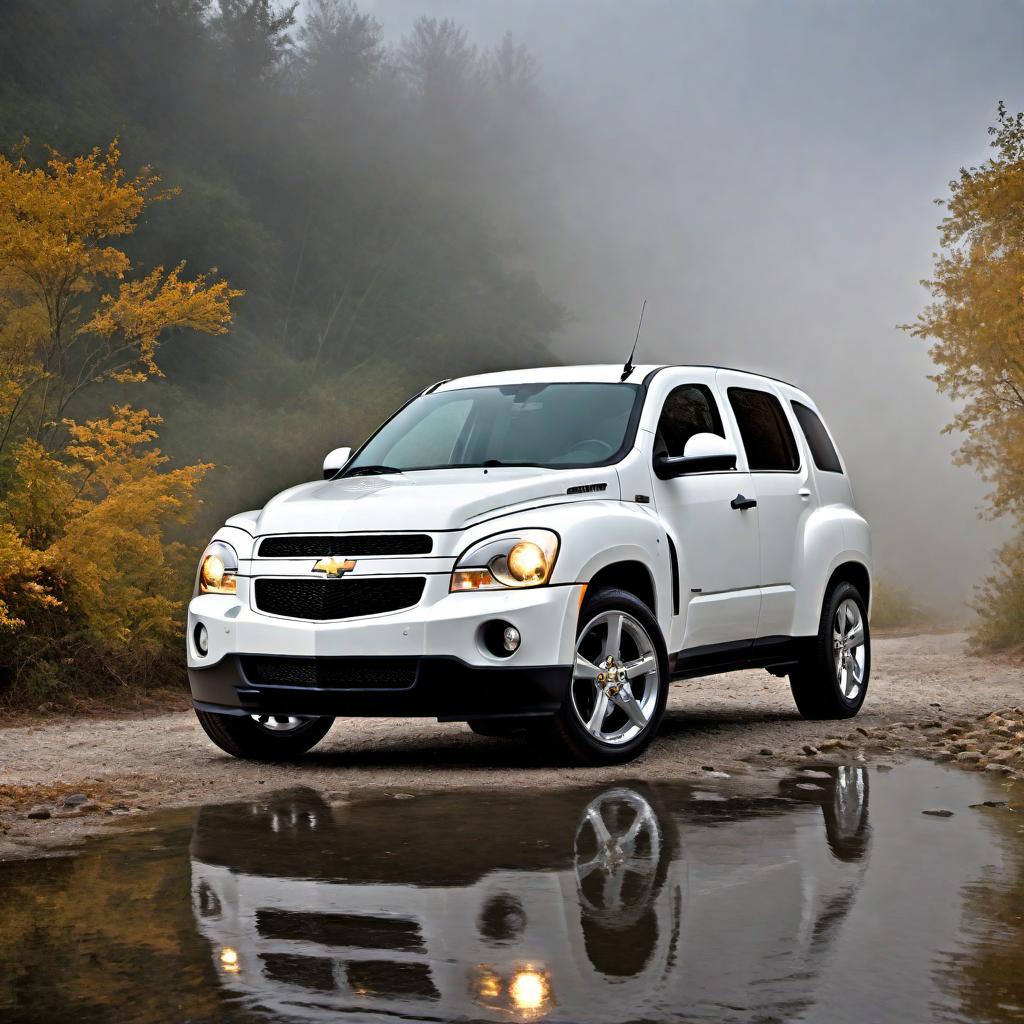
[(372, 470)]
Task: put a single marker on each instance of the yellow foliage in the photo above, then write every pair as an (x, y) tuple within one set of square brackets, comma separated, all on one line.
[(85, 504), (976, 320)]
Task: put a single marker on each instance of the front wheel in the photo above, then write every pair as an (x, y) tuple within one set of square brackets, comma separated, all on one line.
[(831, 680), (619, 687), (264, 737)]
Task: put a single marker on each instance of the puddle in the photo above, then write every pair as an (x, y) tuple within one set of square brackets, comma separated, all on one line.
[(823, 896)]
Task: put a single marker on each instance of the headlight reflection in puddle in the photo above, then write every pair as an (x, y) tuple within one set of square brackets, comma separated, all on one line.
[(525, 992)]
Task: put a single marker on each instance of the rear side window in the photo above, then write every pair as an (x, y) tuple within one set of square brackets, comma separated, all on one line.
[(822, 450), (689, 409), (770, 444)]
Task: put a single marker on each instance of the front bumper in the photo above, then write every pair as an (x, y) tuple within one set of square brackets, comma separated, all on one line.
[(447, 672), (442, 688)]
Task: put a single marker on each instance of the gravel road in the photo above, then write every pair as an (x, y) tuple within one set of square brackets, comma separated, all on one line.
[(728, 723)]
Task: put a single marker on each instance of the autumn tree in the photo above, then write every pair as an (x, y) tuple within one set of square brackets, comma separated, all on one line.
[(86, 569), (976, 325)]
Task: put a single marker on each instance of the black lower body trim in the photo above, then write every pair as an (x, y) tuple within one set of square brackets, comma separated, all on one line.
[(764, 652), (441, 687)]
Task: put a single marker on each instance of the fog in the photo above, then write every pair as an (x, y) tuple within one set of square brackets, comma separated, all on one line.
[(765, 175)]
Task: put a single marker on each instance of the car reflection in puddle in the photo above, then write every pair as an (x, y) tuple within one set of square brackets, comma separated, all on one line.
[(598, 904)]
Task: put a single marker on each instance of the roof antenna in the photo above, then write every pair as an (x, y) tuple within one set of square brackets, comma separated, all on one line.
[(627, 368)]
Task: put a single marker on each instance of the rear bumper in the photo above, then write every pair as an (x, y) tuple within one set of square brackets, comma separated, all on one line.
[(441, 687)]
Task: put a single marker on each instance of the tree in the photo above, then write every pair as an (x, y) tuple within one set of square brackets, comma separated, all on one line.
[(976, 323), (84, 506)]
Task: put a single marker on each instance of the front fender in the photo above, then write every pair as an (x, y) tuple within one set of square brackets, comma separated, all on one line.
[(597, 534)]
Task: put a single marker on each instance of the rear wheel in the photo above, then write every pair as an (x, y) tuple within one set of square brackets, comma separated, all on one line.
[(619, 687), (831, 681), (264, 737)]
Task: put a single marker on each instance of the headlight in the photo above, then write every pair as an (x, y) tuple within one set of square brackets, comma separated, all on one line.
[(522, 559), (217, 569)]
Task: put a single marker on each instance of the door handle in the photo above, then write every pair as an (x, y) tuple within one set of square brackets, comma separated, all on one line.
[(740, 502), (804, 492)]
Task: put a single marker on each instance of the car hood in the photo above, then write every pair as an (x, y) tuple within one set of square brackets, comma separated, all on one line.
[(430, 500)]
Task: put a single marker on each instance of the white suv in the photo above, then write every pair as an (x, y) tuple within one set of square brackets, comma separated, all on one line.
[(541, 551)]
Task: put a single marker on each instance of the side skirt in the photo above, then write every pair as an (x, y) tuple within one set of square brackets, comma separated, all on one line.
[(770, 652)]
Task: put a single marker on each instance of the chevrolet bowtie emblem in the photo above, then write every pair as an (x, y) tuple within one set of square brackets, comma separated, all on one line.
[(334, 566)]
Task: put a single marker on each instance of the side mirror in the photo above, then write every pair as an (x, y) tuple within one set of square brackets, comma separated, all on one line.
[(335, 460), (704, 453)]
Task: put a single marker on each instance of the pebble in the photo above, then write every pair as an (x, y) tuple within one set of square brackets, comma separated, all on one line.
[(809, 750), (939, 812), (39, 813), (969, 756), (75, 800), (766, 752)]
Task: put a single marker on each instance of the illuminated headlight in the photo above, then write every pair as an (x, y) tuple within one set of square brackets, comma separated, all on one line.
[(523, 559), (217, 569)]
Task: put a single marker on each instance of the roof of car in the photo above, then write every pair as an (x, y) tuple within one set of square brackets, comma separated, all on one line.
[(596, 373)]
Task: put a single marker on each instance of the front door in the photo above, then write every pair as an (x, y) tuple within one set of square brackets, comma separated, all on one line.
[(716, 546)]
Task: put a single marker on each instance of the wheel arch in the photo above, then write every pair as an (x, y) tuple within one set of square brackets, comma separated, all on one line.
[(630, 575), (854, 572)]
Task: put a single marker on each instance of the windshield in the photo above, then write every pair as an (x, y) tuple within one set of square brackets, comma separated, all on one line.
[(558, 426)]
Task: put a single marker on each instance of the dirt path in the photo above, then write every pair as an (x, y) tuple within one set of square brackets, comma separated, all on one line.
[(724, 722)]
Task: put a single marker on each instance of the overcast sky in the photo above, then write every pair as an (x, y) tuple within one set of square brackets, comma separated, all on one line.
[(764, 174)]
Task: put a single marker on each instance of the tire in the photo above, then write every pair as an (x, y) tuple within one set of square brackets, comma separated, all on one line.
[(822, 688), (245, 737), (565, 736)]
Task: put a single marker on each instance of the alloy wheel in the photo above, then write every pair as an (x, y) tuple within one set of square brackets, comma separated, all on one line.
[(616, 678), (849, 648), (282, 723)]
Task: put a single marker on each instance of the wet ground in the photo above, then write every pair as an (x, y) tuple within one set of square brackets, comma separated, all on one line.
[(816, 895)]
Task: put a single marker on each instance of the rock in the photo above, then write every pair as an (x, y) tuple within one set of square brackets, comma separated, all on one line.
[(933, 724), (814, 787), (1014, 754), (862, 730), (989, 803), (89, 807), (766, 752), (968, 756), (39, 813), (945, 755), (807, 773), (809, 750), (883, 767), (939, 812), (75, 800), (829, 745), (1000, 769), (717, 775), (933, 705)]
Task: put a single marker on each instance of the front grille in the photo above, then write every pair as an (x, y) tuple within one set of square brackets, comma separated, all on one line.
[(337, 599), (347, 545), (331, 673)]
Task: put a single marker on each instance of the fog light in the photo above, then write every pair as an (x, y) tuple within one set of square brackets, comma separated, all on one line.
[(202, 640), (510, 639)]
